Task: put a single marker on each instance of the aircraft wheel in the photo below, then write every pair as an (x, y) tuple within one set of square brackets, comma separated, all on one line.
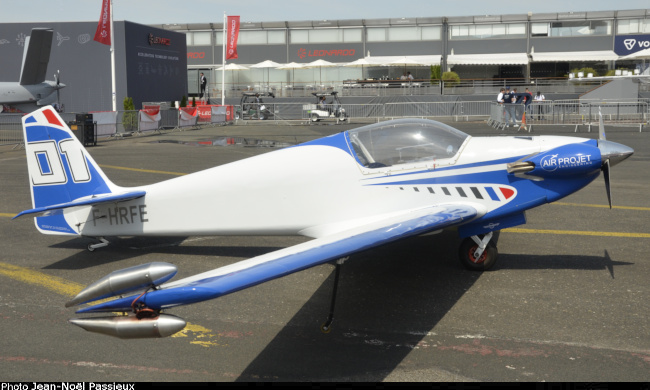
[(483, 263), (90, 248), (314, 117)]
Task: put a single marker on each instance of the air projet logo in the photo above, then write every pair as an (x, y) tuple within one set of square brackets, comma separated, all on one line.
[(552, 162)]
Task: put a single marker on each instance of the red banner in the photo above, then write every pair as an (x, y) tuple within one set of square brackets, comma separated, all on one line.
[(232, 33), (103, 33)]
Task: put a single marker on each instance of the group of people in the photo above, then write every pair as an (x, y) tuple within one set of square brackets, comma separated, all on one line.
[(515, 104)]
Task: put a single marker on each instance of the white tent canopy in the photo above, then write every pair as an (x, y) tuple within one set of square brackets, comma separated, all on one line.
[(639, 55), (488, 59), (233, 67), (602, 55)]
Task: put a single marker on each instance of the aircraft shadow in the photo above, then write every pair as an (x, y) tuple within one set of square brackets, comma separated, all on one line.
[(523, 262), (123, 248), (389, 299)]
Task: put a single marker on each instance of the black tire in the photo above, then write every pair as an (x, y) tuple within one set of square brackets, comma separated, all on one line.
[(314, 117), (484, 263)]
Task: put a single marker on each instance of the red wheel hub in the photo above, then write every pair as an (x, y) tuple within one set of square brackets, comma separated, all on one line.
[(473, 259)]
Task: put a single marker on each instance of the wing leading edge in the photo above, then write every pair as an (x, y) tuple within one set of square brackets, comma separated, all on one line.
[(248, 273)]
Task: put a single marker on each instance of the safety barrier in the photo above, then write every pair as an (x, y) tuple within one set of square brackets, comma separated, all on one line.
[(416, 87), (11, 130), (635, 113), (120, 123)]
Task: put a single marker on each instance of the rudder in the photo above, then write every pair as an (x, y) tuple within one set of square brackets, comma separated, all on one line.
[(60, 169)]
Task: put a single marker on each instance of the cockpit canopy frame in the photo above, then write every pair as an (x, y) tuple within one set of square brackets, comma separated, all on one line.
[(406, 144)]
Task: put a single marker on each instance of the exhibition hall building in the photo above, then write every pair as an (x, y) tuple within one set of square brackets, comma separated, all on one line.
[(482, 47)]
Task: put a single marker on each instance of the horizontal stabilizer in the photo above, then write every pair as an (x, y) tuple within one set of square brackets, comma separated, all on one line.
[(96, 199)]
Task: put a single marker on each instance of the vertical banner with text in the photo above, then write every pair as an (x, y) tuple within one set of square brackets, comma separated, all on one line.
[(232, 34), (103, 33)]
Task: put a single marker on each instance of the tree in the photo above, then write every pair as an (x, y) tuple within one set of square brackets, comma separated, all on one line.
[(129, 117)]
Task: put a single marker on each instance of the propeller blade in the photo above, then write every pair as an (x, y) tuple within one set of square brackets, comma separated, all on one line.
[(601, 126), (605, 169)]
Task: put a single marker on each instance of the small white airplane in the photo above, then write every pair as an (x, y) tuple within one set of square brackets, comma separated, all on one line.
[(350, 191), (32, 91)]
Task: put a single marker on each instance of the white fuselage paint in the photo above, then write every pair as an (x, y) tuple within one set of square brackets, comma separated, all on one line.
[(312, 190)]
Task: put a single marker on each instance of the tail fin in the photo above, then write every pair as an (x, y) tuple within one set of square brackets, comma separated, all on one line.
[(36, 56), (62, 173)]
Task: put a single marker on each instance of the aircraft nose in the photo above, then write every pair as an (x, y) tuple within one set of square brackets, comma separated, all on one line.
[(614, 152)]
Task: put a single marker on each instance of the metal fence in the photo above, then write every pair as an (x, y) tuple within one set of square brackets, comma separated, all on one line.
[(417, 87), (107, 124), (572, 112), (634, 113)]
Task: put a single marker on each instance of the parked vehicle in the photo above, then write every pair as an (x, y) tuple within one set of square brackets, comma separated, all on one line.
[(324, 109), (251, 106)]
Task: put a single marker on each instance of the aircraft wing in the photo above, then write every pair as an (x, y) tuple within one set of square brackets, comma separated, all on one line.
[(95, 199), (247, 273)]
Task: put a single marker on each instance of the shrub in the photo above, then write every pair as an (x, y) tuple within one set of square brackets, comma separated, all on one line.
[(130, 117), (435, 73), (451, 78)]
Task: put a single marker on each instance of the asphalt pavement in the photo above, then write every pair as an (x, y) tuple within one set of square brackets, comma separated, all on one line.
[(568, 299)]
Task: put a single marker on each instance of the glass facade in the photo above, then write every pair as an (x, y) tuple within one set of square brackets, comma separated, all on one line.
[(633, 26), (400, 34), (572, 28), (487, 31)]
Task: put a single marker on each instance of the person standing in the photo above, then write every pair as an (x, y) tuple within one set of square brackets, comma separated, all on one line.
[(204, 82), (509, 106), (539, 98)]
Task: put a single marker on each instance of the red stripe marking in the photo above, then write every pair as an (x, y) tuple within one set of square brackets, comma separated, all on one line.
[(51, 117), (507, 192)]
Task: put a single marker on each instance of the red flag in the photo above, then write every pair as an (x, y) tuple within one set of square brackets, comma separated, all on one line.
[(232, 33), (103, 33)]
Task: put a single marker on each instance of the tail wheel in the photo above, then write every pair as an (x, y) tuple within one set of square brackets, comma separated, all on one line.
[(482, 263)]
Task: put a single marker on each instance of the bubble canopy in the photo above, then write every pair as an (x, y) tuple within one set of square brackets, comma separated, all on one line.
[(404, 141)]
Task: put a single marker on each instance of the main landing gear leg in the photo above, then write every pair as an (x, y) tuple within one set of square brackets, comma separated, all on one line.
[(104, 242), (326, 327), (479, 253)]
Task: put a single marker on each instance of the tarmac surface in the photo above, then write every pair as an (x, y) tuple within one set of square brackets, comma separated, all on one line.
[(568, 299)]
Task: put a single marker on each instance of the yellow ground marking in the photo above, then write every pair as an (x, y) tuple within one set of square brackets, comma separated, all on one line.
[(7, 215), (200, 335), (603, 206), (143, 170), (577, 233), (52, 283)]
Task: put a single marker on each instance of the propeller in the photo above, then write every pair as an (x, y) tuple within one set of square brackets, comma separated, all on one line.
[(57, 77), (611, 153)]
